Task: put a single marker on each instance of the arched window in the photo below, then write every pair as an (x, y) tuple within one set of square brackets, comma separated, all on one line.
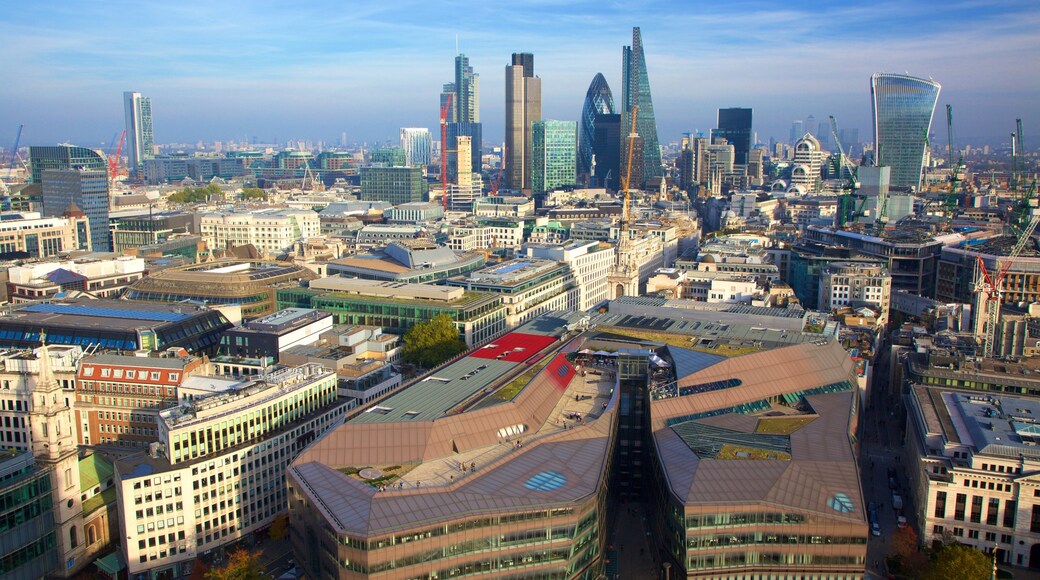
[(73, 540), (91, 535)]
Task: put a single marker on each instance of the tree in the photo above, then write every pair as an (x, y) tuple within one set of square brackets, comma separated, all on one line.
[(253, 193), (962, 562), (196, 194), (241, 565), (279, 528), (906, 553), (430, 343)]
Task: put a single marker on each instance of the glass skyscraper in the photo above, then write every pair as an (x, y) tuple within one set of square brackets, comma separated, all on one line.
[(636, 93), (903, 108), (74, 175), (553, 161), (467, 92), (139, 137), (735, 126), (598, 101)]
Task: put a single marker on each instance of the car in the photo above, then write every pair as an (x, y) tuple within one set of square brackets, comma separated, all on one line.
[(875, 529), (901, 521), (871, 507)]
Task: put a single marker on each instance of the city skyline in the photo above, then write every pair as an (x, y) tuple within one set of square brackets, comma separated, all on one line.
[(222, 72)]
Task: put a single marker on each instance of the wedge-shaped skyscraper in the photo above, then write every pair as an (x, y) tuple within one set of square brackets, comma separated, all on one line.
[(903, 109), (636, 93)]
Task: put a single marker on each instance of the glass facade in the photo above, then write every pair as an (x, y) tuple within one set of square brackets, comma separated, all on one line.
[(735, 127), (598, 101), (417, 145), (553, 162), (139, 138), (394, 185), (903, 108), (636, 87)]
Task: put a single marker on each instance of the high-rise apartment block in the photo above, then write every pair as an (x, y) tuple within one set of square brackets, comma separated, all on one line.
[(598, 101), (138, 111), (554, 152), (735, 126), (636, 93), (523, 108), (903, 108), (417, 145)]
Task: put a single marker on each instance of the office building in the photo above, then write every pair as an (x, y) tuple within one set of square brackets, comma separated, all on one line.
[(42, 237), (709, 427), (523, 108), (598, 101), (529, 503), (467, 92), (855, 284), (470, 163), (388, 156), (248, 284), (139, 138), (28, 541), (528, 287), (394, 185), (217, 472), (589, 263), (809, 157), (735, 126), (265, 338), (553, 154), (114, 324), (105, 278), (77, 176), (636, 93), (407, 260), (118, 397), (903, 107), (417, 146), (271, 231), (396, 307), (971, 459), (606, 148), (131, 232)]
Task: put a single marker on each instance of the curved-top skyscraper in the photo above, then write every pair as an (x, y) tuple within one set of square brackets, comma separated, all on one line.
[(598, 101), (636, 93), (903, 108)]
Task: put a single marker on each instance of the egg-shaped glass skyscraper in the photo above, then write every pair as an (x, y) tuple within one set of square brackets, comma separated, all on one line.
[(598, 101), (903, 108)]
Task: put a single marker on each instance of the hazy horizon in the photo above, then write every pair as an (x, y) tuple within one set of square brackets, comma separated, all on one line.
[(234, 70)]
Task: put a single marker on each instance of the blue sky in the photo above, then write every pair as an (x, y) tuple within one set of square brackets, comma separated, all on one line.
[(228, 70)]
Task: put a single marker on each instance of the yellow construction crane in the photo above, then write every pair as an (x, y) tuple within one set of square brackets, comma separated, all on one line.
[(626, 211)]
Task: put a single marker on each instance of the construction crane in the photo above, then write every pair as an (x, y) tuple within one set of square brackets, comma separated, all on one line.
[(309, 175), (113, 160), (1019, 217), (849, 185), (501, 170), (626, 211), (1016, 150), (990, 289), (13, 157), (444, 150)]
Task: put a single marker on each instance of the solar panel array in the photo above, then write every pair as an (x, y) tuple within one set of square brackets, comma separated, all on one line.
[(77, 310)]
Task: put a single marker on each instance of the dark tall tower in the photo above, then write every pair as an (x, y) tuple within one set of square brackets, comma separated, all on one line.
[(735, 126), (636, 93), (606, 146), (598, 101), (523, 108)]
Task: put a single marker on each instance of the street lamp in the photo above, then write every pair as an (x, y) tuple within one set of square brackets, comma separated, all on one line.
[(667, 570)]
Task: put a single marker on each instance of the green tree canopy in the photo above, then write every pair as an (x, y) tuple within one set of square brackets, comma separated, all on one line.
[(253, 193), (430, 343), (241, 565), (961, 562), (196, 194)]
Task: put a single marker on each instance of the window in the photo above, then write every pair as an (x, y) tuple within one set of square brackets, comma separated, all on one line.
[(154, 376)]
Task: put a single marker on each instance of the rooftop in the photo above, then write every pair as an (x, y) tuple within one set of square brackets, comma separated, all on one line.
[(999, 425)]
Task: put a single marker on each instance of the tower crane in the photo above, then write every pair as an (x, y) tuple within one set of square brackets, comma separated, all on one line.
[(849, 185), (444, 150), (14, 152), (113, 161), (626, 211), (990, 289)]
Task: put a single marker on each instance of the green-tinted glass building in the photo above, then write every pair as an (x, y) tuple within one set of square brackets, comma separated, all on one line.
[(554, 161), (389, 156), (394, 185)]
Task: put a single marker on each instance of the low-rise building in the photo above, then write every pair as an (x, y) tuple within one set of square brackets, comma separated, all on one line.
[(589, 262), (217, 473), (43, 237), (855, 284), (410, 260), (528, 287), (397, 307), (119, 397), (271, 231), (99, 277), (974, 469), (264, 339)]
